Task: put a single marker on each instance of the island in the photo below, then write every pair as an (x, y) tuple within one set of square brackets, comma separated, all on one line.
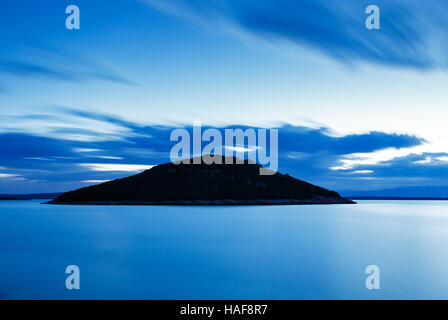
[(203, 184)]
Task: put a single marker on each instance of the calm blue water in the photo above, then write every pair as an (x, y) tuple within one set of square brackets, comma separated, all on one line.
[(256, 252)]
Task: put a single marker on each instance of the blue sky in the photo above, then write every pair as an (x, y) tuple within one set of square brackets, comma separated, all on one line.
[(356, 109)]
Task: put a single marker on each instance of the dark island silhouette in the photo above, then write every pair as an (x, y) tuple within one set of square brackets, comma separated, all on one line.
[(203, 184)]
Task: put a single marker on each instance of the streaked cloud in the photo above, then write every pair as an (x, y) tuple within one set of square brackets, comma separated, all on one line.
[(11, 176), (52, 63), (444, 158), (424, 161), (109, 157), (65, 125), (241, 149), (8, 175), (362, 171), (86, 150), (109, 167), (354, 160), (413, 33), (28, 69)]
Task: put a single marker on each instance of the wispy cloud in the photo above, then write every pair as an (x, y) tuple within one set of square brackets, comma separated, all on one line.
[(413, 33), (109, 167), (55, 64), (11, 176), (362, 171), (86, 150), (8, 175), (27, 69), (67, 125)]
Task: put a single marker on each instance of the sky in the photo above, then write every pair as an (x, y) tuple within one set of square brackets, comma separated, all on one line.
[(356, 109)]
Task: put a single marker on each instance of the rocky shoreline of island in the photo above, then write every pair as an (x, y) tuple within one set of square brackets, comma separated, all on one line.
[(225, 202)]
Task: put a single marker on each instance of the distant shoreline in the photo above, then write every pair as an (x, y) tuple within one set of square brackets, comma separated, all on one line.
[(397, 198), (225, 202), (13, 199), (30, 196)]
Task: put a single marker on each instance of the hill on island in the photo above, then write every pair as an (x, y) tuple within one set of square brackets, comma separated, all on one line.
[(203, 184)]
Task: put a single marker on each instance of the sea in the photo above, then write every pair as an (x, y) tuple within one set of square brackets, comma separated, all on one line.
[(225, 252)]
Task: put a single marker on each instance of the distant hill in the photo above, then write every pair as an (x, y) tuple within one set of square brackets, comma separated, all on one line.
[(30, 196), (201, 184), (419, 192), (11, 198), (397, 198)]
